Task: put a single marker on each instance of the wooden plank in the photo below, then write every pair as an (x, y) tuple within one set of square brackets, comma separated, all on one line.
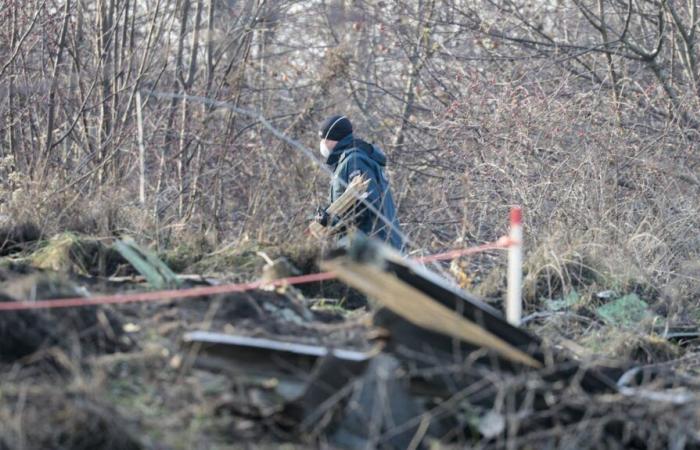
[(341, 208), (156, 272), (422, 310), (232, 341), (152, 276), (385, 275)]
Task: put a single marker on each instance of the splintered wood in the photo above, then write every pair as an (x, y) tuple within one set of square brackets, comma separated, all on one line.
[(421, 310), (377, 280), (342, 211)]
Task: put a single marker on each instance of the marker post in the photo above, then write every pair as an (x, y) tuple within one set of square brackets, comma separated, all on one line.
[(514, 303)]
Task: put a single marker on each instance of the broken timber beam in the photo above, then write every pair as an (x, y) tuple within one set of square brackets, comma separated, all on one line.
[(425, 300), (147, 263), (427, 312)]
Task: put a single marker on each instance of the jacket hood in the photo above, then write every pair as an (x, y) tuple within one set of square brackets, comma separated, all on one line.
[(349, 143)]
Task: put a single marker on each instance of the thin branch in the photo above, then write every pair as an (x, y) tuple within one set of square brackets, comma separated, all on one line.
[(23, 38)]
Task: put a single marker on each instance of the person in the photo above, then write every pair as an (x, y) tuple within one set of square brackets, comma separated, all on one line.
[(349, 157)]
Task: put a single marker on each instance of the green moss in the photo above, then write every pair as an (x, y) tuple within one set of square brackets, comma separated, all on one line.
[(627, 311), (570, 300), (62, 253)]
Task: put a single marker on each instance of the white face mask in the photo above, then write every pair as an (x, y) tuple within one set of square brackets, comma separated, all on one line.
[(324, 150)]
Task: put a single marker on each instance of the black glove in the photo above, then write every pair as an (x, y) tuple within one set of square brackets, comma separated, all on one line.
[(321, 216)]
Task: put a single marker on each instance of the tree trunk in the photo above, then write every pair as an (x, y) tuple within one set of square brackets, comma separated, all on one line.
[(52, 91)]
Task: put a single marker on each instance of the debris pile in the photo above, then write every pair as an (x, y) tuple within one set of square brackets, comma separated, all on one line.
[(430, 364), (61, 419), (75, 331), (74, 254), (444, 367)]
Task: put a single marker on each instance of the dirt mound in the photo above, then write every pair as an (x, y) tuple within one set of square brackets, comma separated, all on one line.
[(77, 331), (41, 416)]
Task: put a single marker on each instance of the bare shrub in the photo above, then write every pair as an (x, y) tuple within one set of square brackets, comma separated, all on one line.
[(586, 119)]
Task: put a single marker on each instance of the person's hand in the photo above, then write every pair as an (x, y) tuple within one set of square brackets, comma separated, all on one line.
[(321, 216)]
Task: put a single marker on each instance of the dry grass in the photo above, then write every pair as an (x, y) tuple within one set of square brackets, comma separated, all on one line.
[(632, 346)]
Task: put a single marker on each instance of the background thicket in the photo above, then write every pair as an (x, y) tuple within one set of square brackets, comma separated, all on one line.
[(583, 111)]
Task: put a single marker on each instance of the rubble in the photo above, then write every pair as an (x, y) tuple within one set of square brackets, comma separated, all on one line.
[(447, 367), (61, 419), (76, 331), (430, 365)]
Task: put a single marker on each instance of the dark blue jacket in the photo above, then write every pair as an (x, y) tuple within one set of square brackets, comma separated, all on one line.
[(352, 157)]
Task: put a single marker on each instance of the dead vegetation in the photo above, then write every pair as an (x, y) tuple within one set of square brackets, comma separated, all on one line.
[(587, 117), (76, 332), (15, 237), (38, 415), (128, 366), (73, 254)]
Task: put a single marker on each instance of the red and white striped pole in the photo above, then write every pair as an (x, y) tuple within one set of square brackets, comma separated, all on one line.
[(514, 304)]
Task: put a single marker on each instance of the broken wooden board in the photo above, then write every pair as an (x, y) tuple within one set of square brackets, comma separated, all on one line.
[(231, 343), (187, 279), (428, 315), (340, 211), (429, 302), (156, 272)]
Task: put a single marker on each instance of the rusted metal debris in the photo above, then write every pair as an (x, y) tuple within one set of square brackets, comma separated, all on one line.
[(441, 350)]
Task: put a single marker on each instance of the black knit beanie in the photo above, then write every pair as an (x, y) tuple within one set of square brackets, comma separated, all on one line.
[(335, 128)]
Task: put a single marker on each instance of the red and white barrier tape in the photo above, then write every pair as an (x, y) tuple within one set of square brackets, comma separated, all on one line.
[(502, 243)]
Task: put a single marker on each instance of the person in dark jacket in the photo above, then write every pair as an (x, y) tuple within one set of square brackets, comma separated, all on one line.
[(350, 157)]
